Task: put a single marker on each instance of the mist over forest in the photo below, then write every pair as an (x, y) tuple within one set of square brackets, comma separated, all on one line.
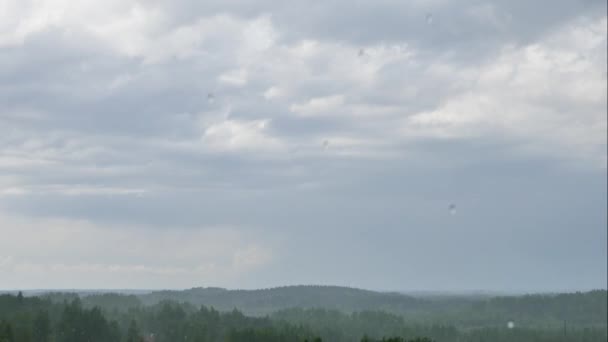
[(300, 313)]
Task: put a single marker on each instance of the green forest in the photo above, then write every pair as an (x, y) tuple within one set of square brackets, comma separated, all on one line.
[(309, 313)]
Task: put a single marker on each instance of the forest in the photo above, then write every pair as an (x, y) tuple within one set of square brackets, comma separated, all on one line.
[(309, 314)]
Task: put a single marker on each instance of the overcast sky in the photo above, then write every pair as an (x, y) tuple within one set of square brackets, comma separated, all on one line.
[(391, 145)]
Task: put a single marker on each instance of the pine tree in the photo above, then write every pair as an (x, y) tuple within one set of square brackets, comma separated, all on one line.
[(133, 334)]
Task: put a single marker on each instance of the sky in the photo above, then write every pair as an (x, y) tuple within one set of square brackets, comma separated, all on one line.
[(389, 145)]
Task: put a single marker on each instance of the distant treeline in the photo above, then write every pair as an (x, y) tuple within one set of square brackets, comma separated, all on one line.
[(337, 326), (582, 310), (114, 317)]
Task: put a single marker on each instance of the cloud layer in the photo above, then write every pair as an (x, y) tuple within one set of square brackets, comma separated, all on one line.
[(249, 127)]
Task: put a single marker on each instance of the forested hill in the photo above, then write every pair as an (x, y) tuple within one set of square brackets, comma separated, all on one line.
[(265, 301), (581, 308), (34, 319), (584, 309), (303, 312)]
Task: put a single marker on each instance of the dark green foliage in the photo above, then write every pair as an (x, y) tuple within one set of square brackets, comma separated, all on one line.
[(133, 333), (587, 309), (104, 318), (111, 301), (265, 335), (41, 329), (337, 326), (80, 324), (6, 332), (544, 311), (396, 339)]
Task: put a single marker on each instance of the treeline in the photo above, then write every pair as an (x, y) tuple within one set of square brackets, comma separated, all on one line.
[(576, 310), (121, 318), (334, 325), (266, 301), (581, 310), (42, 320)]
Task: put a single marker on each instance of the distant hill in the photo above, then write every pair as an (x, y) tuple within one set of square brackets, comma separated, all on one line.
[(266, 301), (580, 309)]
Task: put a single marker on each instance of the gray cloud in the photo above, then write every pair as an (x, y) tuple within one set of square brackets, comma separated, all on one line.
[(314, 151)]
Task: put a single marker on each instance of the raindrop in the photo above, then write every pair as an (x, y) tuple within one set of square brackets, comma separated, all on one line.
[(510, 325), (452, 209), (211, 98), (429, 18)]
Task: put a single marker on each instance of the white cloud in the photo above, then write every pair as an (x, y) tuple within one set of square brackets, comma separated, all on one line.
[(319, 106), (237, 77), (246, 135), (259, 35), (543, 94), (272, 93)]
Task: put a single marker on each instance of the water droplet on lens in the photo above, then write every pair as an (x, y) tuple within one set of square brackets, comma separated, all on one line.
[(361, 52), (510, 325), (452, 209), (325, 144), (211, 98), (429, 18)]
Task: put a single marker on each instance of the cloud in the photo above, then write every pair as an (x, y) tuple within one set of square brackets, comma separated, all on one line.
[(235, 77), (319, 105), (279, 119), (240, 135), (527, 92), (63, 253)]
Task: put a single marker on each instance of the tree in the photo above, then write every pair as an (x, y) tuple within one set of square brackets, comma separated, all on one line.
[(41, 330), (133, 334), (6, 332), (78, 324)]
